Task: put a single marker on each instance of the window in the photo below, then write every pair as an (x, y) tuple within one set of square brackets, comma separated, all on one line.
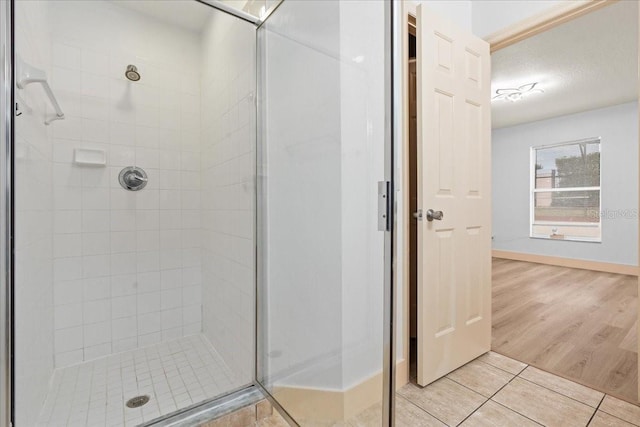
[(565, 191)]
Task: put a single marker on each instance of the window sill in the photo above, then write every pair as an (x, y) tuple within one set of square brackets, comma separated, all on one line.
[(567, 239)]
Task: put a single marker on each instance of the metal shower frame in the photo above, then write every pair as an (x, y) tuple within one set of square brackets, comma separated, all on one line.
[(392, 63)]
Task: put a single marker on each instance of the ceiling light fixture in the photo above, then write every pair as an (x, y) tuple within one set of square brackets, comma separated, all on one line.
[(516, 94)]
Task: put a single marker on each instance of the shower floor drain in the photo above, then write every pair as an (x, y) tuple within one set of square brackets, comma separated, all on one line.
[(138, 401)]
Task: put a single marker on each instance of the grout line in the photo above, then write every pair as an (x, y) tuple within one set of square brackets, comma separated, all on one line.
[(596, 411), (503, 370), (468, 388), (490, 398), (522, 415), (473, 412), (612, 415), (518, 376), (557, 392), (576, 381), (474, 391), (420, 407)]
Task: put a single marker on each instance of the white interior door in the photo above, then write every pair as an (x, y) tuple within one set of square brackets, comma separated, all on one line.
[(454, 172)]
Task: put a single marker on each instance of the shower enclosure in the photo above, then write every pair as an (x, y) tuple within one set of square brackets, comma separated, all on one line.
[(197, 202)]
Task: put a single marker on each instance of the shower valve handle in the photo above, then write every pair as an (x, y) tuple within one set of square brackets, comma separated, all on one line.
[(133, 178), (138, 177)]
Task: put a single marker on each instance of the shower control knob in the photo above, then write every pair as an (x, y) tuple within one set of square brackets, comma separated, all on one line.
[(133, 178)]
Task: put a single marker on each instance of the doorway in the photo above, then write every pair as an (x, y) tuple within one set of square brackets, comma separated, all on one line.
[(601, 331)]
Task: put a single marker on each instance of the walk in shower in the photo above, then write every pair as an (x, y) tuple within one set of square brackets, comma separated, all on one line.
[(199, 200)]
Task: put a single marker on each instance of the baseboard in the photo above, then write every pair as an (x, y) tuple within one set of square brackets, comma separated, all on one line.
[(606, 267), (316, 405)]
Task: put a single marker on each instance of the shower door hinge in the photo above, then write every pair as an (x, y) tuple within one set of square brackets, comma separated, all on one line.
[(383, 206)]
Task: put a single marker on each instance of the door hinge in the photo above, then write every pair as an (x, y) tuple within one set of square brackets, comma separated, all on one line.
[(383, 206)]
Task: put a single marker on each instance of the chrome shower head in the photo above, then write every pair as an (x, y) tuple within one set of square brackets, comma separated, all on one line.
[(132, 73)]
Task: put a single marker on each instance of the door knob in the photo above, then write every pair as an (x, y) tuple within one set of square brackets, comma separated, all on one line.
[(437, 215)]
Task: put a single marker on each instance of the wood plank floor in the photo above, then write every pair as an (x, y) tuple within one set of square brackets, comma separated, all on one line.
[(577, 324)]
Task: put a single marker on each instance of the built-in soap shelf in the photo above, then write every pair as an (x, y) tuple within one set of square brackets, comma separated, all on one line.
[(90, 157)]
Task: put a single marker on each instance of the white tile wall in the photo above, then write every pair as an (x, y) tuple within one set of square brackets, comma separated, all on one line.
[(103, 270), (126, 264), (228, 173), (33, 225)]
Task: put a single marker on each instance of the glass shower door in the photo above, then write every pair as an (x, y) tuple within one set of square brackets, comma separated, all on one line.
[(322, 140)]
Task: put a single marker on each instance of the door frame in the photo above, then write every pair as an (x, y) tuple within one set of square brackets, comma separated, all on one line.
[(529, 27), (7, 48)]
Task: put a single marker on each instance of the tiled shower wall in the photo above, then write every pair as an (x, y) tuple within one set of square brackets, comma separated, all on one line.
[(228, 173), (127, 265), (33, 227)]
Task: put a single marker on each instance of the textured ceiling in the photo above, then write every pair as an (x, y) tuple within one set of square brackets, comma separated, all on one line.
[(589, 62)]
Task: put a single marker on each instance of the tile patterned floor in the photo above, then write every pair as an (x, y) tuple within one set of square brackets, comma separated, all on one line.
[(492, 391), (175, 374), (497, 391)]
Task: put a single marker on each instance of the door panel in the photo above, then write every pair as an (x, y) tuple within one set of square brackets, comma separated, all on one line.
[(321, 258), (454, 253)]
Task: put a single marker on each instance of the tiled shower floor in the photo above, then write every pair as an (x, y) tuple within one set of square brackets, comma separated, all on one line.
[(174, 375)]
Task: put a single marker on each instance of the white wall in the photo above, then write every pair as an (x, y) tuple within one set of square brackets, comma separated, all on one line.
[(127, 264), (489, 16), (228, 174), (618, 128), (33, 226), (362, 130), (485, 17), (302, 313), (324, 119), (459, 12)]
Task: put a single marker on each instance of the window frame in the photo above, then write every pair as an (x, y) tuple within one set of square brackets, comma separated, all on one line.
[(533, 191)]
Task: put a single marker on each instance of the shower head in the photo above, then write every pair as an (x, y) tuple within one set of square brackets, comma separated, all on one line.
[(132, 73)]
